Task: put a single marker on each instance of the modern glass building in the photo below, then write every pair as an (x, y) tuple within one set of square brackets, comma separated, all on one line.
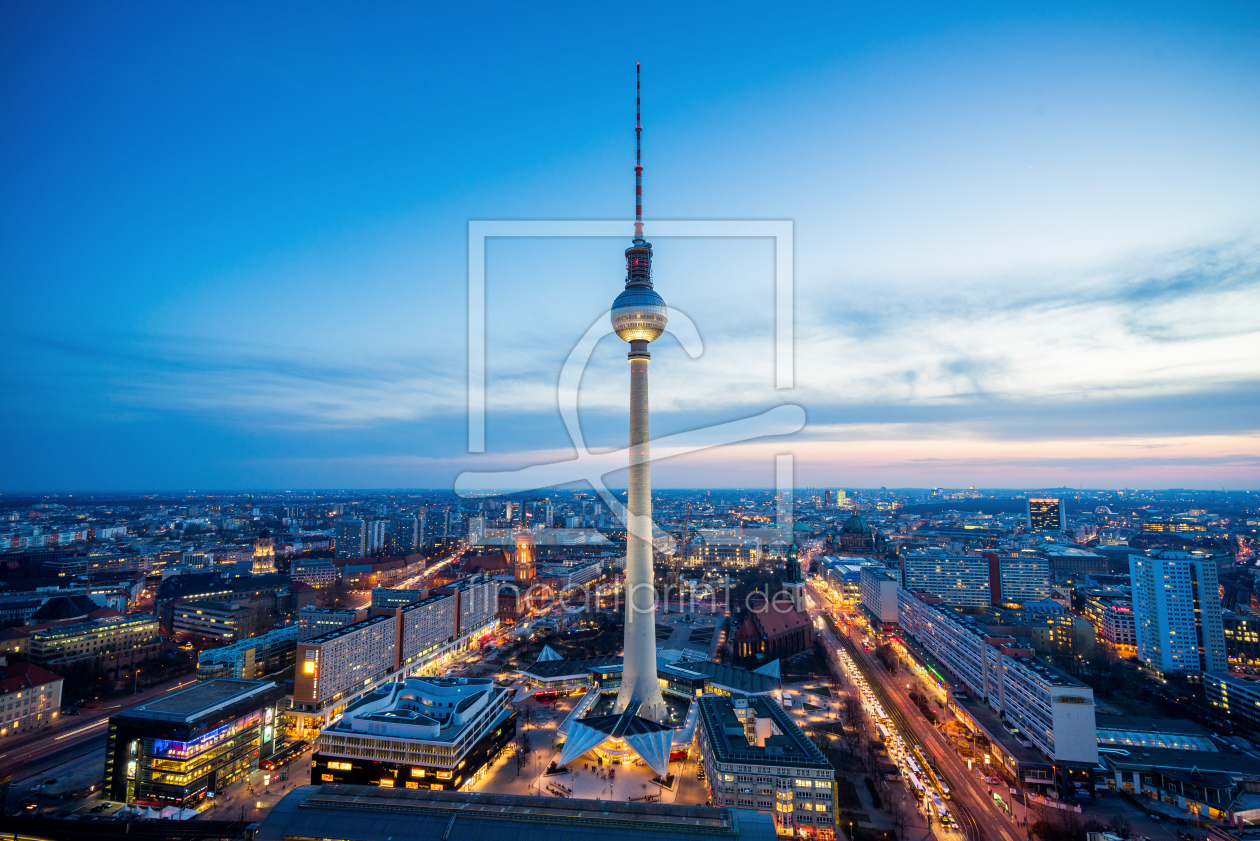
[(182, 748)]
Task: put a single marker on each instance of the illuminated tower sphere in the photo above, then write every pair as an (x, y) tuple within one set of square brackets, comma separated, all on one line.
[(639, 316)]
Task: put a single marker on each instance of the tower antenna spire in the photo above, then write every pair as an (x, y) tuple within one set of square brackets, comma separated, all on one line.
[(638, 157)]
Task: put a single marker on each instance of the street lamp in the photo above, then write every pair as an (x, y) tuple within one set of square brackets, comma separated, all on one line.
[(135, 689)]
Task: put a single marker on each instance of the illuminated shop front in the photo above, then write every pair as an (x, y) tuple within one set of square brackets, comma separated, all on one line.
[(185, 747)]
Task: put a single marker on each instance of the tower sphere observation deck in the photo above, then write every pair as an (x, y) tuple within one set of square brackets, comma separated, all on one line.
[(638, 314)]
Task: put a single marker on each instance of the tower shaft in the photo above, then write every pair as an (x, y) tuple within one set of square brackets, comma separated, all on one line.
[(639, 684)]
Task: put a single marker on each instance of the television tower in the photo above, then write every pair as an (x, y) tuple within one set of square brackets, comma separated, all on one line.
[(639, 317)]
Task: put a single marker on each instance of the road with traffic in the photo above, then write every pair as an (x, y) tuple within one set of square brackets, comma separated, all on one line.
[(971, 804)]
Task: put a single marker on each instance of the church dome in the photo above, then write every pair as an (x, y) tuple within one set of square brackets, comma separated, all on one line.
[(855, 525)]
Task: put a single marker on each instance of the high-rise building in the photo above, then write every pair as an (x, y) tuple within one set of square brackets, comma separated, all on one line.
[(1046, 514), (329, 665), (961, 580), (374, 537), (1019, 578), (350, 538), (405, 536), (1177, 613)]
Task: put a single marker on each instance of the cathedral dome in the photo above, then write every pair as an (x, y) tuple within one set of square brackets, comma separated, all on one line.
[(856, 525)]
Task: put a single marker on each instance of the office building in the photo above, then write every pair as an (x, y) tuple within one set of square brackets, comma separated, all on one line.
[(1177, 613), (1019, 578), (183, 747), (879, 597), (252, 658), (961, 580), (329, 665), (30, 699), (222, 621), (1235, 695), (1042, 705), (316, 572), (755, 757), (1242, 636), (725, 549), (1071, 563), (382, 814), (82, 641), (350, 538), (434, 733), (1046, 514)]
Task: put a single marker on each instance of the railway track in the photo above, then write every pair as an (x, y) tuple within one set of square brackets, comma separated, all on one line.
[(963, 816)]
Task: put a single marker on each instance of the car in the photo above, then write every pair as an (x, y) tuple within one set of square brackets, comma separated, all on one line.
[(50, 781), (100, 807)]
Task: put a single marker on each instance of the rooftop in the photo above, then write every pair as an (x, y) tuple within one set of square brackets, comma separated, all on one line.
[(349, 629), (199, 699), (788, 747), (733, 677), (368, 813)]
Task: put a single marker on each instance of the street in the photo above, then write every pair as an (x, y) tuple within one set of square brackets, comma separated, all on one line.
[(966, 788)]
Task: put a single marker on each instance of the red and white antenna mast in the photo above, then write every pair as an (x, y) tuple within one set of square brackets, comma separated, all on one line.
[(638, 158)]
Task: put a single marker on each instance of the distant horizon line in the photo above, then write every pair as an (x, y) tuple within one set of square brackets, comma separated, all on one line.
[(1062, 489)]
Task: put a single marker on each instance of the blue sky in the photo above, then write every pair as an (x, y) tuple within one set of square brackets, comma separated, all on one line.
[(233, 239)]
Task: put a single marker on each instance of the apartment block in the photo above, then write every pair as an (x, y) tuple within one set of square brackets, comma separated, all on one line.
[(961, 580), (878, 590), (331, 665), (1051, 710), (30, 698), (424, 625), (1177, 612), (1018, 578), (317, 621)]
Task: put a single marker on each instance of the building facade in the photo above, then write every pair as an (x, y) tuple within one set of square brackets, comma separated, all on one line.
[(961, 580), (185, 746), (87, 640), (1242, 636), (1046, 514), (350, 538), (330, 665), (1177, 613), (879, 595), (1052, 710), (755, 757), (30, 699), (1018, 578), (433, 733)]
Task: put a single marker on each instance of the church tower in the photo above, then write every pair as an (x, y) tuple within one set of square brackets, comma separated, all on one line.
[(793, 581)]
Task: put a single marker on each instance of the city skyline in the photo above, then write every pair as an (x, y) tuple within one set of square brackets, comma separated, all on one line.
[(1027, 247)]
